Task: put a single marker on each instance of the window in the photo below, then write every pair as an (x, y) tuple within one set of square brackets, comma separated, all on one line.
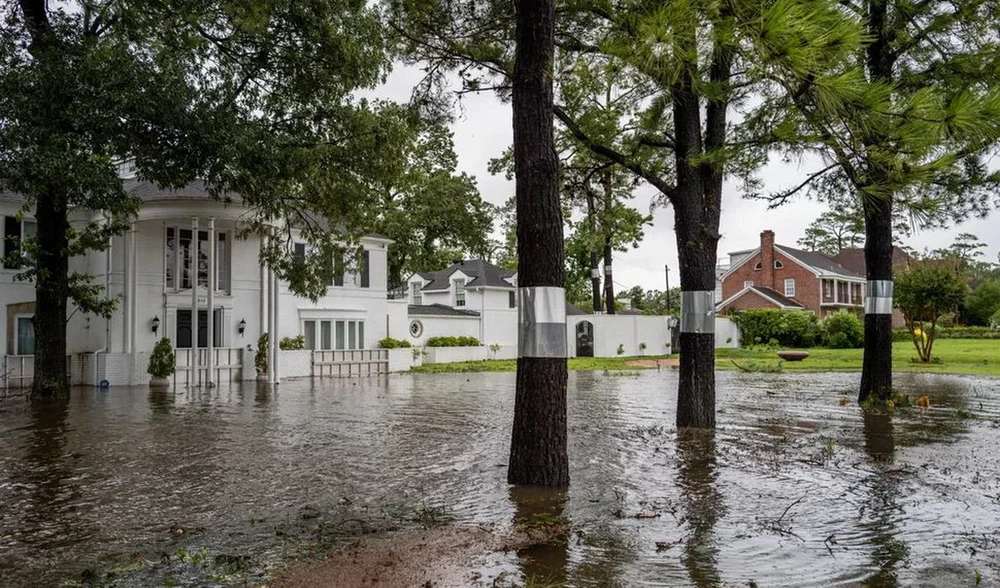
[(16, 232), (778, 264), (512, 299), (790, 288), (340, 334), (183, 333), (325, 339), (460, 292), (319, 334), (415, 294), (758, 266), (827, 289), (25, 335), (748, 283), (416, 329), (178, 250), (300, 251), (309, 331)]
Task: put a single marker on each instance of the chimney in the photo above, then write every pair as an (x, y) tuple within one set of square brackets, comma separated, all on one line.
[(767, 259), (458, 261)]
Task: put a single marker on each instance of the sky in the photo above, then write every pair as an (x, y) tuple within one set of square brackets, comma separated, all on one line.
[(482, 131)]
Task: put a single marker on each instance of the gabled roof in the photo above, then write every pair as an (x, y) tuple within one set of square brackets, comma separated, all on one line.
[(766, 293), (819, 261), (482, 273), (438, 310), (853, 259)]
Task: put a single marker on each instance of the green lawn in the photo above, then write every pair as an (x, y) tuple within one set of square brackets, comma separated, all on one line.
[(957, 356)]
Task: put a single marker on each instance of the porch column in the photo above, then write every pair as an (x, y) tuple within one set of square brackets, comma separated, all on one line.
[(265, 291), (210, 343), (134, 303), (126, 292), (836, 291), (194, 381)]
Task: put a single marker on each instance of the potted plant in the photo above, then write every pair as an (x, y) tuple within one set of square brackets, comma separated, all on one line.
[(161, 363), (260, 358)]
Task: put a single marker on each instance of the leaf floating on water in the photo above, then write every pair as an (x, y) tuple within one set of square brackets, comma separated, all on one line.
[(924, 401), (845, 401)]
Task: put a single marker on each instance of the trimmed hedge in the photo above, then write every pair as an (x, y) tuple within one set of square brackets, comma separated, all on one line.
[(390, 343), (953, 333), (453, 342), (292, 343), (789, 328)]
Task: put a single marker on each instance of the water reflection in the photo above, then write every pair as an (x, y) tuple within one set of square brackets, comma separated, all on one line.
[(161, 400), (538, 513), (880, 512), (701, 502)]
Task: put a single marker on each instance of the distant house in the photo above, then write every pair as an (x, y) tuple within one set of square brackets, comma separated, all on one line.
[(854, 260), (778, 276)]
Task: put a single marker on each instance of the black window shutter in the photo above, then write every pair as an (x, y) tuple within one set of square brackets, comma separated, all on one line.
[(365, 280), (338, 268), (11, 241), (300, 251)]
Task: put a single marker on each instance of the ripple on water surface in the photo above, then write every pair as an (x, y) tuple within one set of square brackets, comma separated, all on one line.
[(794, 488)]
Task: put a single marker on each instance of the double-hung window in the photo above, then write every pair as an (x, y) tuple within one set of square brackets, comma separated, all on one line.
[(790, 288), (178, 251), (459, 292), (15, 233), (324, 335)]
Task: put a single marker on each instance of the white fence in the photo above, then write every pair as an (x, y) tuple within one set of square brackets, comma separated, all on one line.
[(227, 365), (350, 364)]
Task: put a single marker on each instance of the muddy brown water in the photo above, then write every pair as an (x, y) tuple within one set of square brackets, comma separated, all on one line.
[(793, 489)]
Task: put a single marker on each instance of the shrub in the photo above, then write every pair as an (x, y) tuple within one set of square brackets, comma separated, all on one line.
[(790, 328), (390, 343), (982, 303), (292, 343), (162, 362), (995, 320), (453, 342), (953, 333), (621, 349), (260, 358), (844, 331)]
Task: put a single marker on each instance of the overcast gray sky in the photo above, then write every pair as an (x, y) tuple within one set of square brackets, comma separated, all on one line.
[(483, 131)]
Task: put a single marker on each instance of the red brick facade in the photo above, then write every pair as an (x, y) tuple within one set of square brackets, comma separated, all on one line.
[(769, 268)]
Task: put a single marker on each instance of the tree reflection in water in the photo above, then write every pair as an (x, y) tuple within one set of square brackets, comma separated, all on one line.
[(701, 503), (539, 514), (888, 552)]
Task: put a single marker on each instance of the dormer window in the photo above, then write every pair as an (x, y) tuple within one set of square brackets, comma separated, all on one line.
[(459, 292), (417, 297)]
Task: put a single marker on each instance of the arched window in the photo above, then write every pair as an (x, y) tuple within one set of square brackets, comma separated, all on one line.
[(778, 264), (758, 266)]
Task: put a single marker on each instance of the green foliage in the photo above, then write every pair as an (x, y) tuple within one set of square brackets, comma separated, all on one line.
[(621, 349), (292, 343), (260, 357), (789, 328), (952, 333), (995, 320), (390, 343), (453, 342), (835, 230), (982, 302), (843, 330), (924, 292), (161, 360)]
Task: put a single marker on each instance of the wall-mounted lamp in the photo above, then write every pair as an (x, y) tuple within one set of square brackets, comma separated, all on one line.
[(242, 326), (155, 324)]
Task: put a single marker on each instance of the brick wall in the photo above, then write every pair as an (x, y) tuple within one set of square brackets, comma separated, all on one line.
[(807, 285)]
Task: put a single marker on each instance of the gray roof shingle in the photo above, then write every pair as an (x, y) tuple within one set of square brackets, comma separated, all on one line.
[(482, 273), (438, 310)]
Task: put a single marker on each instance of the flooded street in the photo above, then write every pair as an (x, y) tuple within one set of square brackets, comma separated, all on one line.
[(792, 489)]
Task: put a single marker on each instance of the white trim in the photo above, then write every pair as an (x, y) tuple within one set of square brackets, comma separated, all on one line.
[(812, 269), (736, 296), (15, 318), (787, 282), (739, 264)]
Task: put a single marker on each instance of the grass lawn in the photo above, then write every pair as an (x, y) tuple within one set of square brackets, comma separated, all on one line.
[(957, 356)]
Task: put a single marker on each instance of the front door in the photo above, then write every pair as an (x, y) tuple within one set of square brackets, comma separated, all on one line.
[(584, 339), (183, 334)]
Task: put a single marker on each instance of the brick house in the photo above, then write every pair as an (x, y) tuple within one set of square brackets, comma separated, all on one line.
[(853, 259), (778, 276)]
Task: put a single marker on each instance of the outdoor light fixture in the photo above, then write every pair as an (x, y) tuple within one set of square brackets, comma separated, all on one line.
[(155, 323), (243, 326)]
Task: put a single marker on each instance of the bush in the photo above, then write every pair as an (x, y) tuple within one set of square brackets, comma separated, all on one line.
[(995, 320), (162, 362), (789, 328), (453, 342), (982, 303), (953, 333), (260, 358), (292, 343), (844, 331), (390, 343)]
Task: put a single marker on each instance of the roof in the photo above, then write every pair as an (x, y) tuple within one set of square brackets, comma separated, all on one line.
[(438, 310), (195, 190), (853, 259), (819, 261), (482, 273), (768, 294)]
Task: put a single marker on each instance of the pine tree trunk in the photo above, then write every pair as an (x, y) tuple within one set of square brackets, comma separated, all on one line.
[(51, 295), (876, 369), (538, 449), (595, 263), (609, 282)]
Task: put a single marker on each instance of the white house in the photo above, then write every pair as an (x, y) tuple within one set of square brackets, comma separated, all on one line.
[(182, 273)]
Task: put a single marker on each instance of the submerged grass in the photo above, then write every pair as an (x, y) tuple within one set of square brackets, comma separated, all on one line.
[(953, 356)]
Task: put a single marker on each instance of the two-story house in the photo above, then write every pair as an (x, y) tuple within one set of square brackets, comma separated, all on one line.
[(778, 276)]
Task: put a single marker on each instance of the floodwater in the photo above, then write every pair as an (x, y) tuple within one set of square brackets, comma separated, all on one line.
[(212, 487)]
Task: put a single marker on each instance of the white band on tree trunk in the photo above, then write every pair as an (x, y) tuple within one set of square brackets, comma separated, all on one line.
[(541, 329), (595, 273), (698, 311), (879, 297)]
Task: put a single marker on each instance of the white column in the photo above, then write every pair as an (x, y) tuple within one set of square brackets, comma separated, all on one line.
[(134, 304), (276, 300), (126, 291), (265, 291), (268, 326), (195, 376), (836, 291), (210, 380)]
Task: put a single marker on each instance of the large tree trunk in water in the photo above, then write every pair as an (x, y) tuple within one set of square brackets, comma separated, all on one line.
[(609, 281), (538, 448), (876, 369), (51, 295)]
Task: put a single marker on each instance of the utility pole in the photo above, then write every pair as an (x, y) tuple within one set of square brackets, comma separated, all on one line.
[(666, 268)]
